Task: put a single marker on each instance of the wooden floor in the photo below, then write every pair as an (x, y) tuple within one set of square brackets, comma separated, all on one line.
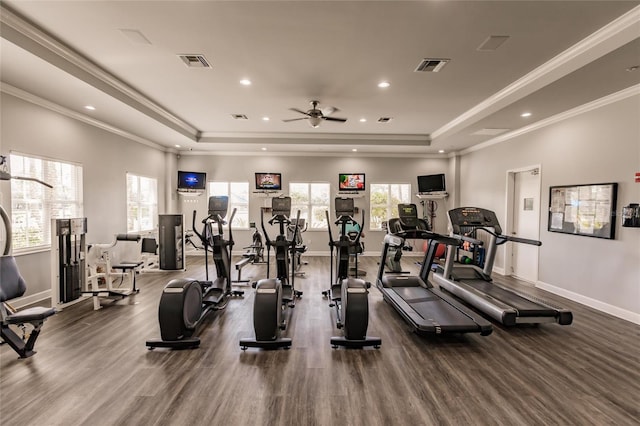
[(92, 368)]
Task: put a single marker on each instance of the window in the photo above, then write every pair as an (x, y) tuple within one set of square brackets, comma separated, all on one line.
[(384, 201), (142, 203), (33, 205), (310, 198), (238, 193)]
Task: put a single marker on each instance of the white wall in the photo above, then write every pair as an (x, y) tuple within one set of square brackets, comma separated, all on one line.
[(105, 158), (312, 169), (599, 146)]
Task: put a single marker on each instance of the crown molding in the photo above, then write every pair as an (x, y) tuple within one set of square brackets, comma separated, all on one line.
[(36, 100), (27, 36), (598, 103), (608, 38)]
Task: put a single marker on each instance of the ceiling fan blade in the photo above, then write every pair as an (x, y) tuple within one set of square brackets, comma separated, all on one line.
[(329, 110), (294, 119), (341, 120), (298, 110)]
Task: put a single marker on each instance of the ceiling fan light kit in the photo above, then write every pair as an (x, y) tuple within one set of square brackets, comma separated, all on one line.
[(315, 116)]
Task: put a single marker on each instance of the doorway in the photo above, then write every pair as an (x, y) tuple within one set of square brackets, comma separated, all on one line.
[(523, 220)]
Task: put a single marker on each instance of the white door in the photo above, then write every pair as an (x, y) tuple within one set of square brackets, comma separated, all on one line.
[(526, 224)]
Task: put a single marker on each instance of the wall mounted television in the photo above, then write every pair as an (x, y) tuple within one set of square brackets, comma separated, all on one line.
[(351, 182), (196, 181), (268, 181), (431, 183)]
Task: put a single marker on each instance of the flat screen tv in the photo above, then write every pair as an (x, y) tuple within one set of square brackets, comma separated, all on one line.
[(268, 181), (431, 183), (192, 180), (351, 182)]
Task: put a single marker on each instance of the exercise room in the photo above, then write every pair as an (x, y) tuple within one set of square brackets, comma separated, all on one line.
[(319, 213)]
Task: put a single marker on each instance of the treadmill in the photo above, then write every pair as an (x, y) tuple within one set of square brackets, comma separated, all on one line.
[(473, 283), (427, 309)]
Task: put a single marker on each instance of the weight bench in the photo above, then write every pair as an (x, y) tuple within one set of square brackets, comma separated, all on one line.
[(12, 286)]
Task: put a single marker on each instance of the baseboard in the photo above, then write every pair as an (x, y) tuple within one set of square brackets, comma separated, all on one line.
[(592, 303), (21, 302)]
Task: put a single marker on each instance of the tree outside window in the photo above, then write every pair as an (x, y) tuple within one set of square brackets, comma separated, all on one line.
[(384, 200)]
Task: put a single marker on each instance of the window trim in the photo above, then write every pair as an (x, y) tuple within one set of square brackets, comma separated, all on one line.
[(154, 217), (79, 203), (231, 204), (310, 204)]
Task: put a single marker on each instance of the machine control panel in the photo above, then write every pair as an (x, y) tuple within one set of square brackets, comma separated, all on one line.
[(475, 217)]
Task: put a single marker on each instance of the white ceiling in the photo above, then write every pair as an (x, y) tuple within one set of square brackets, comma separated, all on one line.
[(559, 55)]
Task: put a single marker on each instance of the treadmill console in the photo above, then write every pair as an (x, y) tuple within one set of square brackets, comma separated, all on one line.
[(473, 217), (408, 214)]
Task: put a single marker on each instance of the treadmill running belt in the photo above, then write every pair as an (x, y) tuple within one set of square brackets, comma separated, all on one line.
[(523, 306), (432, 308)]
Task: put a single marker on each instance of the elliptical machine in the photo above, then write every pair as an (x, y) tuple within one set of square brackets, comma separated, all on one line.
[(296, 235), (347, 294), (275, 295), (185, 302)]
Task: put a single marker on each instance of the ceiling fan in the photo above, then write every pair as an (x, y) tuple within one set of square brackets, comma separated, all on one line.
[(315, 115)]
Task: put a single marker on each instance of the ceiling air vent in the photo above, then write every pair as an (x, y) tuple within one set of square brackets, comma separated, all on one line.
[(239, 117), (195, 61), (431, 65), (384, 119)]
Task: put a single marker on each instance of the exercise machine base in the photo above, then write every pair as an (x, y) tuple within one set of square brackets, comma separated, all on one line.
[(376, 342), (193, 342), (283, 342)]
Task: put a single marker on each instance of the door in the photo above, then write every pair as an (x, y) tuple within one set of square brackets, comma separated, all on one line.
[(526, 224)]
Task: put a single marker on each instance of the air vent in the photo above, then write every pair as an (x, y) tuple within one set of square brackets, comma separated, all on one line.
[(384, 119), (431, 65), (195, 61), (239, 117)]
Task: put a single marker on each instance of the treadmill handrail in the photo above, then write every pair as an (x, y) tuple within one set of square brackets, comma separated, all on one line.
[(501, 238), (421, 234)]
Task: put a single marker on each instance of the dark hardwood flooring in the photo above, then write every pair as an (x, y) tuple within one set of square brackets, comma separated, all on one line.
[(93, 368)]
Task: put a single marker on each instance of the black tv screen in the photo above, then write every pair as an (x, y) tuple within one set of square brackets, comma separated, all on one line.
[(351, 182), (269, 181), (192, 180), (431, 183)]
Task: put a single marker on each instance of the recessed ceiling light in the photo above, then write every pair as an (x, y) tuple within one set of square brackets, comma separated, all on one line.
[(384, 84), (177, 146), (362, 120), (264, 149), (90, 107), (525, 114), (441, 151), (245, 82), (354, 149), (265, 118)]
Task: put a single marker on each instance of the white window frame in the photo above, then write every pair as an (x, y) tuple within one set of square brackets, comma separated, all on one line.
[(390, 206), (65, 199), (235, 199), (306, 208), (148, 203)]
